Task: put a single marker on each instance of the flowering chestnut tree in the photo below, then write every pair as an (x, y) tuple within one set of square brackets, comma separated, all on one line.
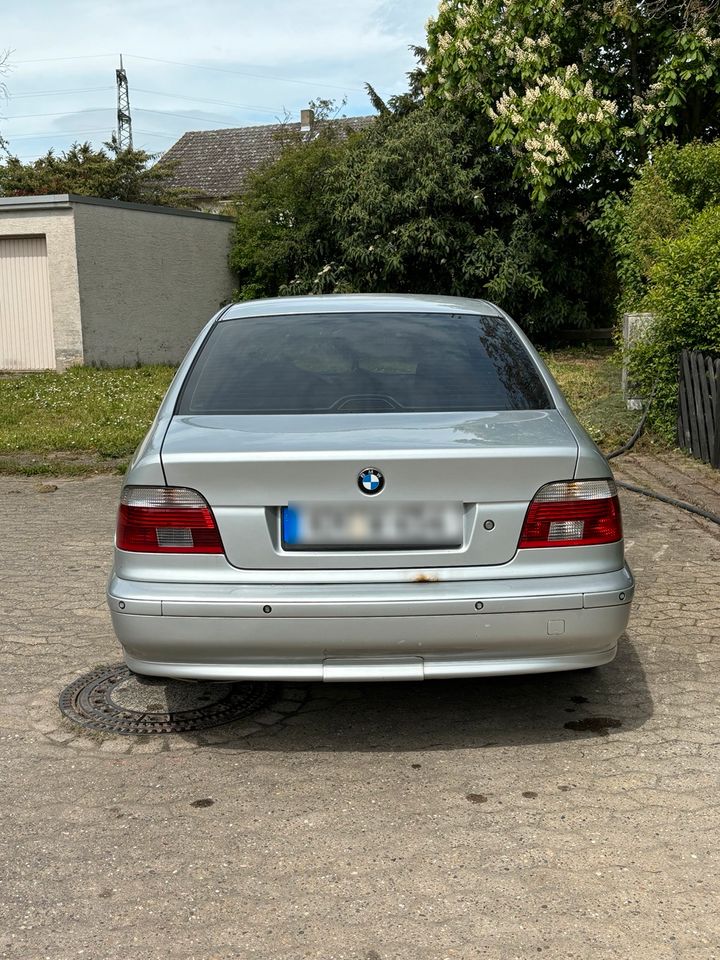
[(577, 89)]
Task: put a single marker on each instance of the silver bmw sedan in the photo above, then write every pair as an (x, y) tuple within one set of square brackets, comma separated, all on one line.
[(366, 487)]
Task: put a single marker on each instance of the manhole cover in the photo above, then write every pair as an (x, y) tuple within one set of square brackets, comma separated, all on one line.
[(115, 700)]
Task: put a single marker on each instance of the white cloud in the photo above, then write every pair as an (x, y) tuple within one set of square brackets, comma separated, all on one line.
[(275, 32), (328, 48)]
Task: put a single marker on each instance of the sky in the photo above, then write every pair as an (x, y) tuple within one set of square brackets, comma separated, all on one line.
[(193, 65)]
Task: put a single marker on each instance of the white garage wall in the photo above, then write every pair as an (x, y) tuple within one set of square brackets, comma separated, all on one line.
[(52, 218)]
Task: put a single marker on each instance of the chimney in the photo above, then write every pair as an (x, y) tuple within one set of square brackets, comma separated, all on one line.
[(307, 119)]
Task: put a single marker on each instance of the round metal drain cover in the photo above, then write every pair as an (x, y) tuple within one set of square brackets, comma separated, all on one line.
[(115, 700)]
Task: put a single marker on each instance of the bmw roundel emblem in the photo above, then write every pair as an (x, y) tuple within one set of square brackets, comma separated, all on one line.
[(371, 481)]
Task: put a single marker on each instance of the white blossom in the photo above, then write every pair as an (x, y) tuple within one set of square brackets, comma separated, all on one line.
[(444, 41)]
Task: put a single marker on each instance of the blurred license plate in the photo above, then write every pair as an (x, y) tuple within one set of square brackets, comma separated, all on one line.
[(371, 526)]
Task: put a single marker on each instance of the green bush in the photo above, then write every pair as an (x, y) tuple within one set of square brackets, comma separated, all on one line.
[(667, 195), (666, 238), (684, 295)]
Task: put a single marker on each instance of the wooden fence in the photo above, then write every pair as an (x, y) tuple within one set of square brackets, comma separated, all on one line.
[(699, 406)]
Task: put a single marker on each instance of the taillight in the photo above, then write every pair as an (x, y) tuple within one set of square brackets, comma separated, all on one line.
[(166, 520), (573, 513)]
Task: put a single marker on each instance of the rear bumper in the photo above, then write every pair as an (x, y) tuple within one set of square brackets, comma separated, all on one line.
[(370, 631)]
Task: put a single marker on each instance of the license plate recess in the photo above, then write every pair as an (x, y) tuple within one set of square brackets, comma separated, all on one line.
[(373, 526)]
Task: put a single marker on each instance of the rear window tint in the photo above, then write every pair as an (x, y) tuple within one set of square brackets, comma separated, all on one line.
[(362, 363)]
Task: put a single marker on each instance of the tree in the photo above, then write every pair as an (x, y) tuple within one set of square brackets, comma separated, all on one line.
[(416, 203), (422, 205), (578, 92), (4, 59), (111, 173), (284, 230), (522, 119)]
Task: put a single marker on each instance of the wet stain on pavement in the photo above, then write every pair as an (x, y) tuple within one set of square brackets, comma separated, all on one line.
[(476, 797), (529, 794), (599, 725), (206, 802)]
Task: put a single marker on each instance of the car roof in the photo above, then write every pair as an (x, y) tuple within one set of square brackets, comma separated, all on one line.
[(359, 303)]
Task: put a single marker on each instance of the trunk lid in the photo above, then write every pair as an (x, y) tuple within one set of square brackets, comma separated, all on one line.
[(249, 467)]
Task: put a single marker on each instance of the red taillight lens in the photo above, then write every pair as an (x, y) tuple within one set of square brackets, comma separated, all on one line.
[(166, 520), (573, 513)]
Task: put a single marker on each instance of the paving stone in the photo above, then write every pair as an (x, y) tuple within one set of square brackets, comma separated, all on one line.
[(343, 831)]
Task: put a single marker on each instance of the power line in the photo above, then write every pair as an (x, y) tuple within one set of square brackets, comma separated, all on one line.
[(199, 66), (164, 113), (68, 134), (65, 113), (169, 113), (161, 136), (61, 113), (59, 133), (89, 56), (245, 73), (53, 93), (222, 103), (180, 116), (144, 133), (269, 112)]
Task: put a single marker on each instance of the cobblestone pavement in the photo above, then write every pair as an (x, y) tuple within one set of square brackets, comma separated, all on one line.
[(673, 474), (455, 819)]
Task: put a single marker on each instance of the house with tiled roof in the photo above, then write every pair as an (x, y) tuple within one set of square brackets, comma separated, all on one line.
[(213, 165)]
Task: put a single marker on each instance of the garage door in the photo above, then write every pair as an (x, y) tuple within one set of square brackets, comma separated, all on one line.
[(26, 328)]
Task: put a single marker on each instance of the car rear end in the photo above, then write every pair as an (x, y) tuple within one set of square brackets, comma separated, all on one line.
[(344, 488)]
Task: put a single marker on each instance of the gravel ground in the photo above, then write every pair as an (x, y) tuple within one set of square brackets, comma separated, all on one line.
[(456, 819)]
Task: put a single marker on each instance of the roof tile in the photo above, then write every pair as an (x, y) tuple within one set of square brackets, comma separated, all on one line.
[(216, 163)]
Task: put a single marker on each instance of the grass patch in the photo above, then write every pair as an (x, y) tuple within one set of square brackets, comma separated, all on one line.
[(85, 412), (590, 377), (87, 420)]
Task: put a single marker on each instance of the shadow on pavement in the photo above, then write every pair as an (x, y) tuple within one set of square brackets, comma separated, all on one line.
[(462, 714)]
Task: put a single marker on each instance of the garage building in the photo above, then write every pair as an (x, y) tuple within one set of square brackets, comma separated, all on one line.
[(105, 283)]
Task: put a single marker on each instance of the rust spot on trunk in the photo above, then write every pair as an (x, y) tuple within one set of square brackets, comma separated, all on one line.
[(426, 578)]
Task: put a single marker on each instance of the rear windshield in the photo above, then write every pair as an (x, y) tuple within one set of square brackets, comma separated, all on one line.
[(361, 363)]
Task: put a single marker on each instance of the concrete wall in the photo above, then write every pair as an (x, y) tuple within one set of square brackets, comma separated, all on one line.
[(56, 224), (148, 281)]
